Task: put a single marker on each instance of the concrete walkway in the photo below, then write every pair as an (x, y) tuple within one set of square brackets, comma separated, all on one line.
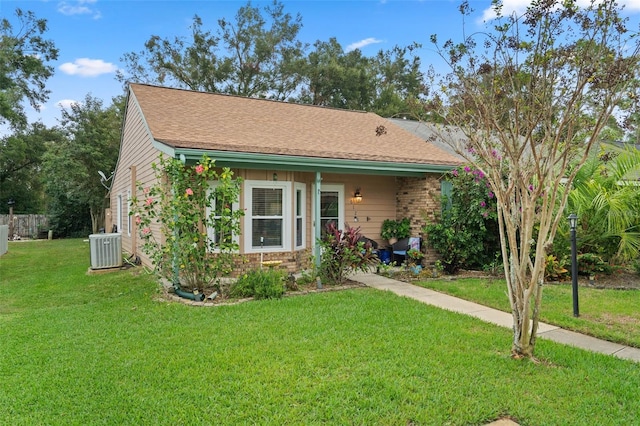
[(503, 319)]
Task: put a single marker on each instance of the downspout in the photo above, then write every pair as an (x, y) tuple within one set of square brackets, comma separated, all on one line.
[(316, 218), (176, 268)]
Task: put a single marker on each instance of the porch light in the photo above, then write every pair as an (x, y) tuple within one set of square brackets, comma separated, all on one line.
[(357, 197)]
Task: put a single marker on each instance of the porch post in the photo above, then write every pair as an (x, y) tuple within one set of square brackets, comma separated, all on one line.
[(316, 218)]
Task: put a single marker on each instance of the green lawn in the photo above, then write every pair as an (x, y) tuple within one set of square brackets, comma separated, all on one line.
[(80, 349), (608, 314)]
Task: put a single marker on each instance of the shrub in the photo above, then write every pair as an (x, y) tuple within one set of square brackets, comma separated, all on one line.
[(555, 269), (185, 206), (591, 264), (259, 283), (636, 266), (466, 233), (397, 229), (342, 254)]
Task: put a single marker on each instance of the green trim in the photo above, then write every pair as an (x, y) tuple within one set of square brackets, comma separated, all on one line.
[(244, 160)]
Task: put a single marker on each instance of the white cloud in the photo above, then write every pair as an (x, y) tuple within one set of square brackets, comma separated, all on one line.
[(362, 43), (86, 67), (520, 6), (66, 103), (79, 7)]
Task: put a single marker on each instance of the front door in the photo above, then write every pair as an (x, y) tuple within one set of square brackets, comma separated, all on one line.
[(331, 206)]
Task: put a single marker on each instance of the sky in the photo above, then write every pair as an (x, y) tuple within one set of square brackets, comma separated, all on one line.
[(93, 35)]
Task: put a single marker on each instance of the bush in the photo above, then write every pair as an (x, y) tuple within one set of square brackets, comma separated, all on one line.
[(259, 283), (590, 264), (466, 235), (343, 254), (555, 269), (636, 266)]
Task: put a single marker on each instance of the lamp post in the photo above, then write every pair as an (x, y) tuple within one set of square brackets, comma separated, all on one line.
[(11, 202), (573, 221)]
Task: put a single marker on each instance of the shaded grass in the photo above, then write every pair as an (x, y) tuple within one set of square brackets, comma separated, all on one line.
[(98, 349), (604, 313)]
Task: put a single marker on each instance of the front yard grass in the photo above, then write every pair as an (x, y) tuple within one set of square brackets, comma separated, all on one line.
[(101, 349), (604, 313)]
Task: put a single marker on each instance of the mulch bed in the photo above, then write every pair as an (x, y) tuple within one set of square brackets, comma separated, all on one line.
[(167, 294)]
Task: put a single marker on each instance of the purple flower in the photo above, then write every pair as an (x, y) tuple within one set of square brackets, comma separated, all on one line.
[(490, 194), (530, 187), (483, 204), (485, 214), (455, 172), (467, 169)]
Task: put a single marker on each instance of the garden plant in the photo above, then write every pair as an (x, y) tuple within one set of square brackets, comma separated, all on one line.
[(196, 220)]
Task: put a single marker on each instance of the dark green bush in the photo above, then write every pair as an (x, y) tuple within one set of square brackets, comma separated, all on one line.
[(592, 264), (466, 234), (259, 283)]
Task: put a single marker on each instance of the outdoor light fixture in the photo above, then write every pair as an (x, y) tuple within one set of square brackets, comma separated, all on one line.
[(357, 197), (275, 177), (573, 222)]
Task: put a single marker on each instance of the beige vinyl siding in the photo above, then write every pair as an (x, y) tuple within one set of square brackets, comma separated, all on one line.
[(136, 150), (378, 201)]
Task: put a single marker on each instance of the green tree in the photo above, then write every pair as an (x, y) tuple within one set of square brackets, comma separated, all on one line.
[(20, 167), (256, 55), (24, 55), (71, 166), (538, 90), (337, 79), (606, 199), (399, 83)]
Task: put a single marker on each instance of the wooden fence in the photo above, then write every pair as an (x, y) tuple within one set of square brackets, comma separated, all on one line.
[(27, 225)]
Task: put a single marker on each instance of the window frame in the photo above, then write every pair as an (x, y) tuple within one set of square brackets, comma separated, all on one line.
[(287, 213), (300, 193), (235, 206)]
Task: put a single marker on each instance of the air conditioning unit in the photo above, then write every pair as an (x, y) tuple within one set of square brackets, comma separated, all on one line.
[(106, 250)]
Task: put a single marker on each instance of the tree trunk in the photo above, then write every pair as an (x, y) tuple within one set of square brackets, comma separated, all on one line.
[(97, 219)]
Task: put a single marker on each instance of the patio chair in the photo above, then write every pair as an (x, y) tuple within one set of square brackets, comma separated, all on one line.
[(401, 247)]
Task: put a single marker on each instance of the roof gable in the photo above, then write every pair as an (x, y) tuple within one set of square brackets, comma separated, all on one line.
[(184, 119)]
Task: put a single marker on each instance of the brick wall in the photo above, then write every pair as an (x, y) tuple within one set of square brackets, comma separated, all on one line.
[(291, 261), (418, 198)]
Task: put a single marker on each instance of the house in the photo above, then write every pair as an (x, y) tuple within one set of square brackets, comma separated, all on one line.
[(317, 164)]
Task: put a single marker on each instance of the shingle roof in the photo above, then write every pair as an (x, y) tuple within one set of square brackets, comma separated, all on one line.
[(187, 119)]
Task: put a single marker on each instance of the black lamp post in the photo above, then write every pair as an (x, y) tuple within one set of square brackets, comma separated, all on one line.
[(11, 202), (573, 221)]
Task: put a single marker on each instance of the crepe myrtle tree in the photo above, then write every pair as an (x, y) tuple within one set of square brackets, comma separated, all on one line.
[(185, 205), (527, 99)]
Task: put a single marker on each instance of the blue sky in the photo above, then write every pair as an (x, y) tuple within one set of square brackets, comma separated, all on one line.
[(93, 35)]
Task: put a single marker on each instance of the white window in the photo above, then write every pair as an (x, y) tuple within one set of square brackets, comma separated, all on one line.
[(217, 207), (268, 216), (300, 225), (119, 214)]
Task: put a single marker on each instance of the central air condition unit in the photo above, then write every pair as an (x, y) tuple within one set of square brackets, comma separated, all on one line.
[(106, 250)]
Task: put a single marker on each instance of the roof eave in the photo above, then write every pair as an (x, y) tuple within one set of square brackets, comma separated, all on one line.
[(244, 160)]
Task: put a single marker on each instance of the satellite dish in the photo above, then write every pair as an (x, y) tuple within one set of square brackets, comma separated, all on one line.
[(104, 179)]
